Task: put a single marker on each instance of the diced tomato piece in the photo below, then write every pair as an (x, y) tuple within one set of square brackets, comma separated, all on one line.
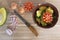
[(29, 6), (47, 17)]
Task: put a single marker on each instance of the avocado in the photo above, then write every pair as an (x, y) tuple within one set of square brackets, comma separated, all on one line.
[(38, 20), (38, 13), (49, 9), (3, 15), (42, 7), (43, 23)]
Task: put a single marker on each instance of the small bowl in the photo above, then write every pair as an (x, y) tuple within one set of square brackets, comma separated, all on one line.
[(55, 14)]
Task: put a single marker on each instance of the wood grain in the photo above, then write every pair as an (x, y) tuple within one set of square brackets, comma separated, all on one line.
[(22, 32)]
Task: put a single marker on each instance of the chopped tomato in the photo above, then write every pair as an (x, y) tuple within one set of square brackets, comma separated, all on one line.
[(47, 17), (28, 6)]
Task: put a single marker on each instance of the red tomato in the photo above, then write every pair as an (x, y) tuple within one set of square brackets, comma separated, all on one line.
[(28, 6), (47, 17)]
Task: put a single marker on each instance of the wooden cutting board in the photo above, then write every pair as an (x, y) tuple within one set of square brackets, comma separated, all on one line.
[(22, 32)]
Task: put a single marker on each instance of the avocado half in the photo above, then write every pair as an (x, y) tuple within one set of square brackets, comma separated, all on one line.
[(3, 15)]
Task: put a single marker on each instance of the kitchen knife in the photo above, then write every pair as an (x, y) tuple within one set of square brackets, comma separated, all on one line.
[(26, 23)]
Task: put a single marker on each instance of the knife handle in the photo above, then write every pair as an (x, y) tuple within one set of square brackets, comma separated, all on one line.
[(33, 30)]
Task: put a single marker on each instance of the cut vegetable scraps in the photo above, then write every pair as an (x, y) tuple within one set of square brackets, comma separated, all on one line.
[(44, 15), (28, 6)]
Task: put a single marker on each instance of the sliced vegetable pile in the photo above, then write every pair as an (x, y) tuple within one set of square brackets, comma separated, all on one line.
[(47, 17), (28, 6), (44, 15)]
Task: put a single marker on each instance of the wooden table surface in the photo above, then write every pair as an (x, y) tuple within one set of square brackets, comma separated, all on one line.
[(23, 33)]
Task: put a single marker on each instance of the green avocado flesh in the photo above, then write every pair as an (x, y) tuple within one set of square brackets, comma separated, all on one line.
[(2, 16)]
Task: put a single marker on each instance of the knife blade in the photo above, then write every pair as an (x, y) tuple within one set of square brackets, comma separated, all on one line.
[(26, 23)]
